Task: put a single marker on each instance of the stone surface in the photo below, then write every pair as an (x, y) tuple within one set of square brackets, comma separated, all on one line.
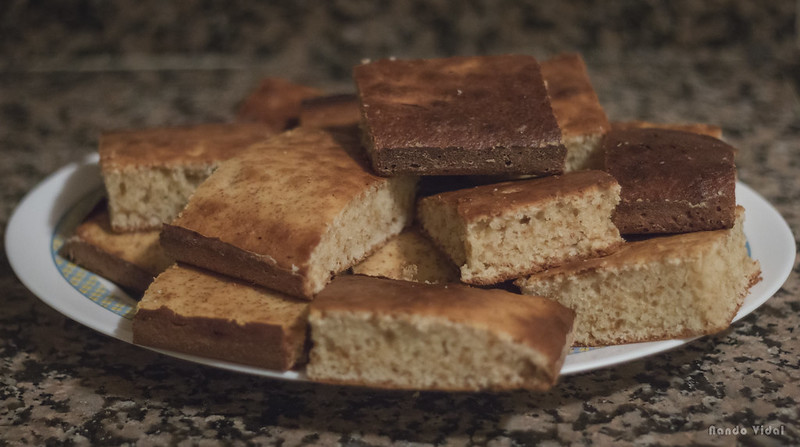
[(72, 69)]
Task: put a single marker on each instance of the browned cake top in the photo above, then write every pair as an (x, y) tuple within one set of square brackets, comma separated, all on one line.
[(195, 293), (177, 146), (458, 102), (660, 164), (502, 198), (701, 128), (574, 101), (537, 322), (330, 111), (275, 103), (278, 197)]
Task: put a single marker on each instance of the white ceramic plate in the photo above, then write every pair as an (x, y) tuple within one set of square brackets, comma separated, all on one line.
[(51, 211)]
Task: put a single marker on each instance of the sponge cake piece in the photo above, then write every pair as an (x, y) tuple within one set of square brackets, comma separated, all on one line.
[(149, 174), (291, 212), (129, 259), (665, 287), (577, 109), (410, 256), (275, 103), (397, 334), (507, 230), (698, 128), (197, 312), (330, 111)]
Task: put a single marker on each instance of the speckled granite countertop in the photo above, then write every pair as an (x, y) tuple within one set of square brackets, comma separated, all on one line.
[(64, 384)]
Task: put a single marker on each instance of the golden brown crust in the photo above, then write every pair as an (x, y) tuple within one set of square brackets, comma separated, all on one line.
[(574, 101), (539, 323), (501, 198), (698, 128), (671, 181), (198, 312), (171, 147), (459, 115), (275, 103), (330, 111)]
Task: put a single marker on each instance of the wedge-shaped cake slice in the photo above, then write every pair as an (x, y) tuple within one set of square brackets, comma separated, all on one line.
[(665, 287), (410, 256), (507, 230), (699, 128), (580, 116), (275, 103), (459, 115), (197, 312), (397, 334), (672, 181), (129, 259), (290, 212), (149, 174)]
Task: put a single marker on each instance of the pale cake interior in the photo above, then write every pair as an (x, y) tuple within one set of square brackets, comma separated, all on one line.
[(583, 152), (144, 198), (528, 239), (694, 288), (417, 352), (370, 220)]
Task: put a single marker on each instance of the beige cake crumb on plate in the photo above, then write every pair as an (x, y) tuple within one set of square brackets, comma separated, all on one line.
[(52, 209)]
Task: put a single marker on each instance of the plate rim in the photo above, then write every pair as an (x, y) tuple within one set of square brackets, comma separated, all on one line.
[(54, 197)]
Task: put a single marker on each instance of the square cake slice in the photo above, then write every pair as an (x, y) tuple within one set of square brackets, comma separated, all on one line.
[(197, 312), (130, 259), (410, 256), (665, 287), (580, 116), (506, 230), (672, 181), (459, 115), (406, 335), (149, 174), (275, 103), (291, 212)]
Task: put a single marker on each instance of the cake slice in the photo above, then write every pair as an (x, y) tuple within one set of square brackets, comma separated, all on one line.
[(665, 287), (672, 181), (149, 174), (507, 230), (397, 334), (577, 109), (200, 313), (275, 103), (129, 259), (698, 128), (330, 111), (459, 115), (290, 212), (410, 256)]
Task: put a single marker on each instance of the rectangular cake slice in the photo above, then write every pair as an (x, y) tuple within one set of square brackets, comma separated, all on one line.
[(409, 256), (507, 230), (129, 259), (397, 334), (665, 287), (459, 115), (290, 212), (275, 103), (672, 181), (580, 116), (149, 174), (197, 312), (330, 111)]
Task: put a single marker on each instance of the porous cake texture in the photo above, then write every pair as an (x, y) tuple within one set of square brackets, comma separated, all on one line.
[(507, 230), (577, 109), (459, 115), (149, 174), (665, 287), (197, 312), (275, 103), (397, 334), (410, 256), (129, 259), (291, 212), (672, 181)]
